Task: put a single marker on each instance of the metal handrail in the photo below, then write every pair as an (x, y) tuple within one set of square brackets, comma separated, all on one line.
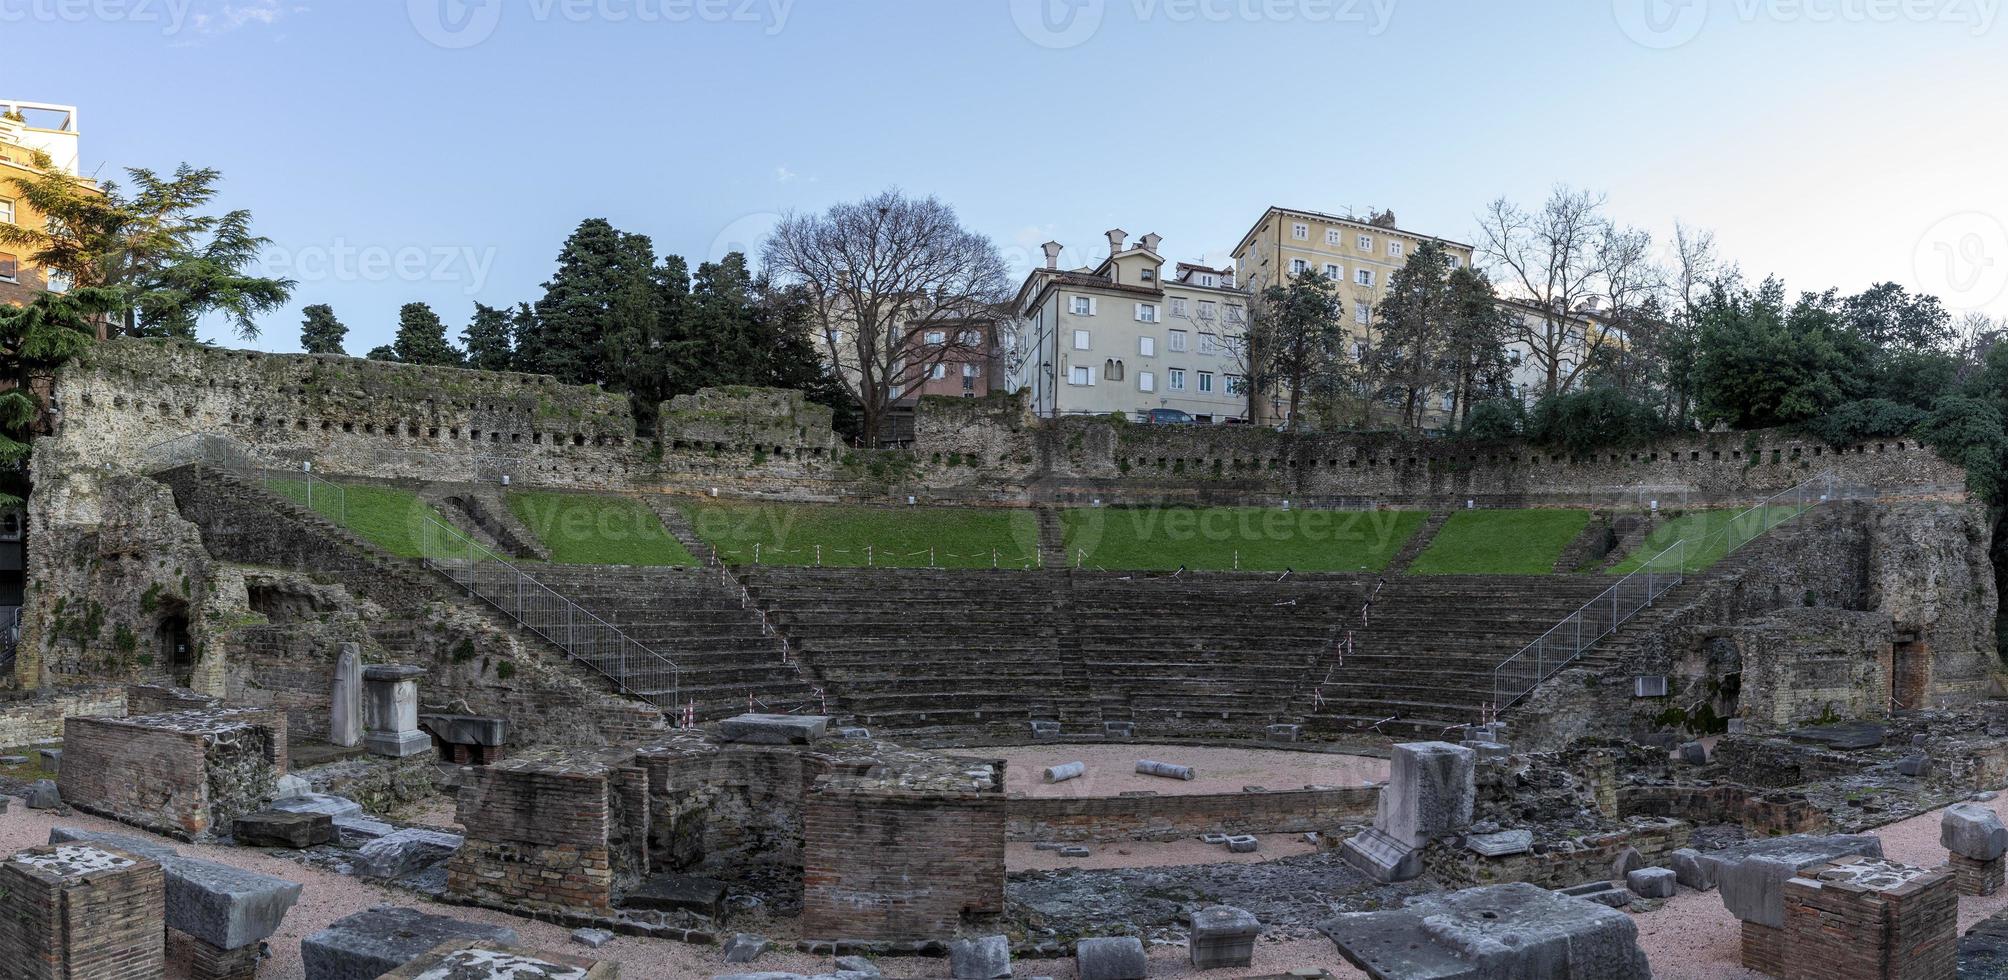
[(1568, 640), (583, 635)]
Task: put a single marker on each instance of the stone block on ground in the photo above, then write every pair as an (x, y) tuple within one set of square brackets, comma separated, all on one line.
[(1652, 882), (1381, 857), (52, 759), (291, 785), (1075, 851), (1223, 936), (1973, 830), (367, 945), (1983, 951), (141, 846), (1913, 765), (857, 964), (1516, 930), (746, 947), (1116, 958), (678, 893), (1690, 870), (279, 828), (1501, 844), (405, 852), (480, 959), (1429, 793), (1604, 893), (44, 795), (1244, 844), (1627, 861), (336, 807), (759, 729), (1694, 753), (592, 938), (1165, 770), (1752, 876), (226, 907), (362, 828), (988, 958)]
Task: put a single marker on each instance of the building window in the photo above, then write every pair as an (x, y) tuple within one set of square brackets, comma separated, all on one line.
[(1332, 271), (59, 281), (1235, 314), (1449, 402), (1207, 280), (1146, 381), (10, 268), (1080, 376), (1084, 306), (1206, 309), (1331, 236), (1364, 277), (969, 370), (1454, 261), (1366, 243), (1177, 341), (938, 372), (1149, 275), (1175, 379), (1177, 307), (6, 210), (1209, 344), (936, 337), (1237, 385), (1146, 346), (1394, 250), (1082, 341), (969, 338), (1362, 313), (1112, 370), (1205, 381), (1300, 232), (1298, 267), (1359, 350), (1146, 312)]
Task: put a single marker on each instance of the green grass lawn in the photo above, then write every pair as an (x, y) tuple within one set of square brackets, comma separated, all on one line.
[(1220, 538), (852, 536), (1500, 542), (588, 529), (392, 519), (1710, 534)]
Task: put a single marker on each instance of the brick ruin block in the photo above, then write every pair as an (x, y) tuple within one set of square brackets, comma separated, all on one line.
[(556, 829), (912, 849), (479, 959), (184, 773), (81, 912), (1870, 919), (1972, 876), (199, 960)]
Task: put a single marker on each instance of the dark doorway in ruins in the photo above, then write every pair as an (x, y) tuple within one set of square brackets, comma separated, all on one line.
[(173, 648), (1910, 673)]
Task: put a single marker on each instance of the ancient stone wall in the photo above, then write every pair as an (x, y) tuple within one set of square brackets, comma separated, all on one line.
[(1811, 665), (1764, 814), (884, 863), (183, 774), (1182, 816), (552, 830), (36, 716)]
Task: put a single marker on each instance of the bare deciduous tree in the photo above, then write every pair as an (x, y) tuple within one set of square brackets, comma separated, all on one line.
[(1552, 257), (882, 276)]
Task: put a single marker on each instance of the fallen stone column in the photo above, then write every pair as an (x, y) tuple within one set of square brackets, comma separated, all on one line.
[(1062, 773), (1165, 770)]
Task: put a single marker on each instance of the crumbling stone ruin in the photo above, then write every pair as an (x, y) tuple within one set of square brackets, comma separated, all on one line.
[(828, 777)]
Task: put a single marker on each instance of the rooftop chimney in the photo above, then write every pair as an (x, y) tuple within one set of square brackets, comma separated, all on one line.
[(1052, 254), (1150, 241), (1116, 236)]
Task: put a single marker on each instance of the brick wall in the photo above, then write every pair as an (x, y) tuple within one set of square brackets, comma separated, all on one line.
[(554, 831), (887, 866), (183, 775), (1767, 814), (1177, 817), (38, 716), (76, 912)]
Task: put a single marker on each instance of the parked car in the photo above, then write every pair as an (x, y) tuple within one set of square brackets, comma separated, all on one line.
[(1168, 416)]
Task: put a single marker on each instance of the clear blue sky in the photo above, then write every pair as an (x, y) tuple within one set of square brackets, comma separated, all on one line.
[(440, 150)]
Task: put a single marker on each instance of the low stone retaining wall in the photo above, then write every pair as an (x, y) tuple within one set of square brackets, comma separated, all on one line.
[(1586, 859), (1763, 813), (1163, 818), (37, 717)]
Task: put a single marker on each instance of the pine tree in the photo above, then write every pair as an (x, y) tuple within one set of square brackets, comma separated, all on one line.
[(320, 332), (421, 338), (603, 286), (382, 352), (487, 340)]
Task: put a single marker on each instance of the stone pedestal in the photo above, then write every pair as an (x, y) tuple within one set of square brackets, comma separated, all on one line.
[(390, 711), (1978, 842), (1429, 793), (1869, 919), (1223, 936), (78, 910), (345, 698)]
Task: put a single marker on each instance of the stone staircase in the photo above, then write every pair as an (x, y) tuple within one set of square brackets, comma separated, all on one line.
[(1417, 543), (726, 662)]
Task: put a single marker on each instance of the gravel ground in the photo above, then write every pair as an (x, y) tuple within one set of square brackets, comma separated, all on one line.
[(1154, 854), (1112, 769)]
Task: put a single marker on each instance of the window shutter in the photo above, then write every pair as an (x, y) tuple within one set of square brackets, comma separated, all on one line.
[(1091, 306)]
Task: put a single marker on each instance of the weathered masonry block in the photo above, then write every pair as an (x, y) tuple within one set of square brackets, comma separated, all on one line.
[(555, 829), (1869, 919), (184, 774), (912, 850), (477, 959), (81, 912)]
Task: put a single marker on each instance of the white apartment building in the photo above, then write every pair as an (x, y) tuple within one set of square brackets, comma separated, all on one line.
[(1121, 338)]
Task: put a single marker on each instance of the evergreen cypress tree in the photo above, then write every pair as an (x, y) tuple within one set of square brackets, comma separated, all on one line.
[(421, 338), (320, 332), (487, 339), (603, 286)]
